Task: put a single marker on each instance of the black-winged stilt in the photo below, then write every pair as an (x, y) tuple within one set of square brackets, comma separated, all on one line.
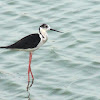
[(31, 43)]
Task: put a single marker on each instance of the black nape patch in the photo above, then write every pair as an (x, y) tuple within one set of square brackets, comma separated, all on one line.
[(44, 26)]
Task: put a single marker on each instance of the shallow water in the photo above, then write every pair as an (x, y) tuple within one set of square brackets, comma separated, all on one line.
[(67, 67)]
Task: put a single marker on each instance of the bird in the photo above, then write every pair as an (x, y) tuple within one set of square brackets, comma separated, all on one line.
[(31, 43)]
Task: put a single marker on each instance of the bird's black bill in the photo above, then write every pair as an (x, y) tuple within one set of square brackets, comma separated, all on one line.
[(56, 30)]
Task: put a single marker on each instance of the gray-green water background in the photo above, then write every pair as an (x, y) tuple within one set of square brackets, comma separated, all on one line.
[(67, 67)]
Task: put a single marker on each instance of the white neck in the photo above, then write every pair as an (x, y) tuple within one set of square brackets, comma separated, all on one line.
[(43, 33)]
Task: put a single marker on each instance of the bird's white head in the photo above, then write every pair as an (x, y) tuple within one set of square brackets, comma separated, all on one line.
[(45, 27)]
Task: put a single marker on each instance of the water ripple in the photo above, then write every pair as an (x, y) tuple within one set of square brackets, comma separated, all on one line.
[(67, 66)]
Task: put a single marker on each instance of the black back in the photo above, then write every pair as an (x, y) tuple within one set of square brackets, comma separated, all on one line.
[(30, 41)]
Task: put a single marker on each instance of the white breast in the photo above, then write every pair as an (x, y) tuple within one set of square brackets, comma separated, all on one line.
[(44, 38)]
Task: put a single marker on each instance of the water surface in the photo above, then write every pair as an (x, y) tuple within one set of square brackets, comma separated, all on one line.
[(67, 67)]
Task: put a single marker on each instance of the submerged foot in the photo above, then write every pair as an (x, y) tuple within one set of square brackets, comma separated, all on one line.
[(32, 82), (28, 85)]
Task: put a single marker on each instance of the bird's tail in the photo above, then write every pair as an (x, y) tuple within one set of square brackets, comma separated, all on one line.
[(3, 47)]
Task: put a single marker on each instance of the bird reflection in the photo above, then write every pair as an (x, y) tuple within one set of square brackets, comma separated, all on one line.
[(28, 95)]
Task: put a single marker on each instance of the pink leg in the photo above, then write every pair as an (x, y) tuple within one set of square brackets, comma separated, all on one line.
[(29, 71), (30, 65)]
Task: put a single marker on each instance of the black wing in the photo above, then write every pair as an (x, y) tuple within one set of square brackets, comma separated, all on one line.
[(30, 41)]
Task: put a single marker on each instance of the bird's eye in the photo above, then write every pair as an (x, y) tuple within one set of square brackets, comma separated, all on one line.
[(46, 26)]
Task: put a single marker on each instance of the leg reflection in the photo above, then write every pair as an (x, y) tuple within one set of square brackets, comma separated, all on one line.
[(28, 95)]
